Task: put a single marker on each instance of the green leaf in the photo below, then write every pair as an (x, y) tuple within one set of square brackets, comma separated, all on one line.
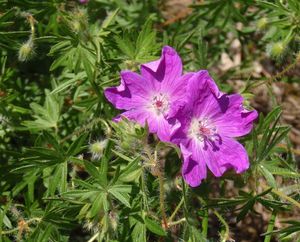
[(268, 175), (92, 170), (154, 227), (111, 17), (76, 146), (121, 196), (97, 204), (139, 232), (132, 171), (146, 43), (47, 116), (126, 46)]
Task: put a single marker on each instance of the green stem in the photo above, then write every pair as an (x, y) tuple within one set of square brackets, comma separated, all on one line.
[(270, 226), (16, 229), (221, 219), (205, 224), (94, 237), (10, 231), (176, 210), (143, 188), (177, 222), (162, 198), (160, 175), (184, 195), (204, 219)]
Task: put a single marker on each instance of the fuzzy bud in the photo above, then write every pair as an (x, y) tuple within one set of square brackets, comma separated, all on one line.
[(262, 23), (78, 21), (26, 51), (15, 212), (113, 220), (276, 50), (129, 136), (97, 148)]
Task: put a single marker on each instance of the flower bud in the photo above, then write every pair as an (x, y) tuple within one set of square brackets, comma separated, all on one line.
[(26, 51), (97, 148), (262, 23), (277, 49), (76, 26), (129, 136), (113, 220)]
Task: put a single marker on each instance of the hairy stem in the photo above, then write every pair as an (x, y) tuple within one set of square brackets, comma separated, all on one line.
[(204, 219), (176, 210), (177, 222), (17, 229), (162, 198), (221, 219)]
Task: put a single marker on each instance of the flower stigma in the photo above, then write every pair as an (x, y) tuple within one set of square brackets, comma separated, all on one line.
[(160, 103), (202, 129)]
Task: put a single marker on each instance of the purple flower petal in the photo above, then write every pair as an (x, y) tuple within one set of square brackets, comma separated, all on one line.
[(207, 122), (203, 94), (226, 111), (131, 93), (178, 94), (236, 121), (225, 154), (165, 70), (193, 170), (155, 96)]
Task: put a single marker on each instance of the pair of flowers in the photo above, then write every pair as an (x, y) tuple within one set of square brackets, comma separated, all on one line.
[(188, 110)]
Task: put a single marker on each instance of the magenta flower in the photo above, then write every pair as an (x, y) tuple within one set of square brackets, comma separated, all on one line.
[(155, 95), (83, 1), (209, 122)]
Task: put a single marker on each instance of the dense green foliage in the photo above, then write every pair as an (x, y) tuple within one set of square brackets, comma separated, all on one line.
[(67, 172)]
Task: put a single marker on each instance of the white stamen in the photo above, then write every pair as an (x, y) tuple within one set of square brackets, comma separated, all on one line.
[(159, 103), (202, 129)]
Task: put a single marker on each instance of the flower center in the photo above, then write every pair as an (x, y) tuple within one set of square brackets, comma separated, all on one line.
[(160, 103), (203, 129)]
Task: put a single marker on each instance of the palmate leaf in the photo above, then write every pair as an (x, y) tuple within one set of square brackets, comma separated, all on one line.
[(125, 44), (272, 134), (46, 116), (145, 46)]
